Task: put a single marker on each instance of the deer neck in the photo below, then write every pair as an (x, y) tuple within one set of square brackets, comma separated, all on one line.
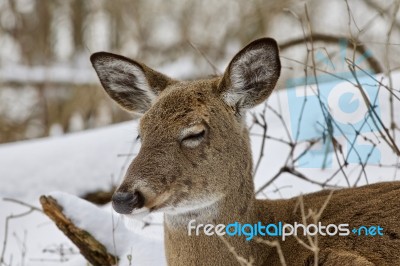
[(240, 206), (236, 206)]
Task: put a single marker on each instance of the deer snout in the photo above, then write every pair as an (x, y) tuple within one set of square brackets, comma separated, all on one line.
[(126, 202)]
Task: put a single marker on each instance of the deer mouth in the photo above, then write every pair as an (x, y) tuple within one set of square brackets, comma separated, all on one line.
[(139, 213)]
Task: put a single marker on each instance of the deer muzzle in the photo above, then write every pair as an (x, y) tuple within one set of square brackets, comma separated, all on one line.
[(126, 202)]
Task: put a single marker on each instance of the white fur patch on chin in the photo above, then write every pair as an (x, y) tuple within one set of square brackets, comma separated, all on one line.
[(178, 218), (137, 219), (208, 206)]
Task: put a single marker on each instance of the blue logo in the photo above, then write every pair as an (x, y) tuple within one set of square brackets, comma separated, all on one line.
[(338, 110), (373, 230)]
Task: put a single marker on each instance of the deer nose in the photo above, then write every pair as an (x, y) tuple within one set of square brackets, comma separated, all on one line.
[(125, 202)]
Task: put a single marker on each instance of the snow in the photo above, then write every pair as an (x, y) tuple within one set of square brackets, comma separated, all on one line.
[(81, 73), (182, 68), (143, 246), (76, 163), (36, 236), (40, 74), (96, 159)]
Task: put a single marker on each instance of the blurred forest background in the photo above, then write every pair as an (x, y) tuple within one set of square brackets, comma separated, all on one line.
[(48, 88)]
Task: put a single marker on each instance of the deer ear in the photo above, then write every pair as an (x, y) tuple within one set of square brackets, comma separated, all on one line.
[(251, 75), (132, 85)]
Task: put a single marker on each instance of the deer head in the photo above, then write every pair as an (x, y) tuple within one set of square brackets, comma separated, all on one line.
[(195, 146)]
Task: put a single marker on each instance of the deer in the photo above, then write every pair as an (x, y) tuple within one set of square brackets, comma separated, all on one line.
[(195, 163)]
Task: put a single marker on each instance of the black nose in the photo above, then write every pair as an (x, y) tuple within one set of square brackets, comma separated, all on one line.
[(125, 202)]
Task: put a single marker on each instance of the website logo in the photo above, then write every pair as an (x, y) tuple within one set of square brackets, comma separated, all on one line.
[(280, 229), (336, 109)]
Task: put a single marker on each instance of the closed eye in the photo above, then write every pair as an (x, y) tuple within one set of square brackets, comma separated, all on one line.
[(192, 137), (195, 136)]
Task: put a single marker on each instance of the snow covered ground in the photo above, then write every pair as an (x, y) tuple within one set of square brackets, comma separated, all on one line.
[(96, 159)]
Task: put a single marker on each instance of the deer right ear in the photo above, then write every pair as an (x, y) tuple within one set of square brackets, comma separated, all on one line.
[(132, 85), (251, 75)]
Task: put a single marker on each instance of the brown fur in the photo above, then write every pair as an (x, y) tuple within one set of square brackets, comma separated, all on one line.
[(174, 177)]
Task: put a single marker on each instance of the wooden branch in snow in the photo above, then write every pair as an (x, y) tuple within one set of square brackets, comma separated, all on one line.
[(90, 248)]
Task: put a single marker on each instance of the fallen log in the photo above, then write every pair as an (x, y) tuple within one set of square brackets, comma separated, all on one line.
[(89, 247)]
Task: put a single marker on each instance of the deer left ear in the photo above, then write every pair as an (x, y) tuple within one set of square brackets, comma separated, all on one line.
[(251, 75), (131, 84)]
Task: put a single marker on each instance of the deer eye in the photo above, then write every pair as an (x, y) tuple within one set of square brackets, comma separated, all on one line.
[(193, 137)]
